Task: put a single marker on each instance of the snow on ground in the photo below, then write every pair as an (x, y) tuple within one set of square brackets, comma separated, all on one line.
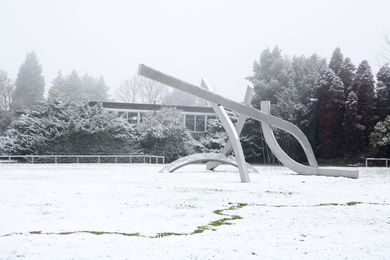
[(103, 211)]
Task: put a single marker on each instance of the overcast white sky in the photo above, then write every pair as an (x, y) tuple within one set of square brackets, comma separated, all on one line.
[(214, 39)]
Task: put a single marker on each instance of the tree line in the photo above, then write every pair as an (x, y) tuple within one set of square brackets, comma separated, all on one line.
[(335, 104)]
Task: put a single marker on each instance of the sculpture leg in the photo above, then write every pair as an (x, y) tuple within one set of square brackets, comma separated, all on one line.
[(235, 140), (238, 126)]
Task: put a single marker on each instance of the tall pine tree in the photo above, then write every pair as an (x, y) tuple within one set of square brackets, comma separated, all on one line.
[(353, 130), (336, 61), (330, 94), (347, 75), (383, 102), (364, 83), (30, 84), (383, 91)]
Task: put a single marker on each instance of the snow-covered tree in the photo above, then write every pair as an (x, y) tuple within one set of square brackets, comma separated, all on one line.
[(383, 91), (364, 83), (353, 130), (332, 135), (383, 100), (6, 91), (30, 84), (384, 74), (164, 133), (78, 89), (68, 128), (270, 75), (330, 94), (336, 61), (380, 138), (347, 75)]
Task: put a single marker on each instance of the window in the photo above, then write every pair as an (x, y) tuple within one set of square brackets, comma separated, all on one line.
[(190, 122), (200, 123), (141, 116), (133, 117), (122, 114)]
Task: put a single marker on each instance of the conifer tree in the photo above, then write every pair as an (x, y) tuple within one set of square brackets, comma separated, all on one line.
[(332, 136), (336, 61), (353, 130), (323, 86), (75, 88), (30, 84), (383, 102), (347, 75), (330, 95), (383, 91), (364, 83), (384, 75)]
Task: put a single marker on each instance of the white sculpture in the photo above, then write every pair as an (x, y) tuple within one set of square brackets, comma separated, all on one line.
[(245, 110)]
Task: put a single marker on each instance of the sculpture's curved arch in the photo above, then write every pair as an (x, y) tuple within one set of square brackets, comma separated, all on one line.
[(288, 161), (203, 157)]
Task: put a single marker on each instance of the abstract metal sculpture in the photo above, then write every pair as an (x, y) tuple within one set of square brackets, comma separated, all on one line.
[(267, 121)]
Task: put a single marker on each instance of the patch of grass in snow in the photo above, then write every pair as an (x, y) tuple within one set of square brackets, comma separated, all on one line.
[(167, 234), (279, 192), (226, 220)]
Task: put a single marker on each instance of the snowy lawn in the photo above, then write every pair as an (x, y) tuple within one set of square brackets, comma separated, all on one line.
[(133, 212)]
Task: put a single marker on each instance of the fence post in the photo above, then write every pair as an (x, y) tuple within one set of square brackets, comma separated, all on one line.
[(144, 159), (116, 159), (32, 159), (55, 159), (98, 159), (9, 159), (131, 159)]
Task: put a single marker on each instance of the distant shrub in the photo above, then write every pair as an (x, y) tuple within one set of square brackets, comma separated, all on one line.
[(164, 133)]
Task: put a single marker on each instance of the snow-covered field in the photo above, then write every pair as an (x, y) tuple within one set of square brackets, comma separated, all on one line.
[(133, 212)]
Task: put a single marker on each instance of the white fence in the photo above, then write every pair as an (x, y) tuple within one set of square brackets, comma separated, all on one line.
[(116, 158), (378, 159)]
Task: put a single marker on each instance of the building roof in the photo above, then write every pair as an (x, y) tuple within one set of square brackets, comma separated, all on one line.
[(152, 107)]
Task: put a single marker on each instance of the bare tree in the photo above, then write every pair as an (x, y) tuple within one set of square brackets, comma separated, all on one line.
[(6, 91), (139, 89)]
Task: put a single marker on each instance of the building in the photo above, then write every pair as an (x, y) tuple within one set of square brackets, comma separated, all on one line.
[(195, 117)]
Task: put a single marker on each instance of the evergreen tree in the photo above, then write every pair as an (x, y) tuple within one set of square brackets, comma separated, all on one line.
[(383, 91), (353, 130), (384, 74), (332, 132), (347, 75), (30, 84), (270, 75), (380, 138), (68, 128), (164, 133), (74, 88), (330, 95), (364, 83), (336, 61), (383, 100)]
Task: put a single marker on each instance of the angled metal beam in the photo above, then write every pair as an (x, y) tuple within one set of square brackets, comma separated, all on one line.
[(238, 126)]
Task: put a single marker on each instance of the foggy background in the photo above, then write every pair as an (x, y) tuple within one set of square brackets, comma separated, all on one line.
[(217, 40)]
